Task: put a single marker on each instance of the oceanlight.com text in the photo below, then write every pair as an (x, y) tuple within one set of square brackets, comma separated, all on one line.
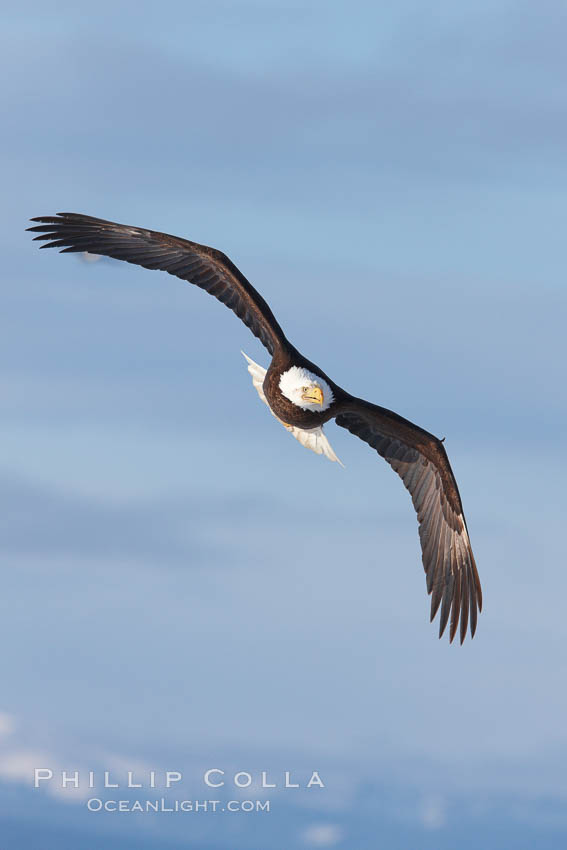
[(95, 804)]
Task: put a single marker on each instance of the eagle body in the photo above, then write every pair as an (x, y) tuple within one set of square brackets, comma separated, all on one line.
[(282, 406), (303, 399), (313, 437)]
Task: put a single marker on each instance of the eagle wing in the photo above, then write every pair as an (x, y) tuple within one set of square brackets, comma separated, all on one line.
[(206, 267), (420, 460)]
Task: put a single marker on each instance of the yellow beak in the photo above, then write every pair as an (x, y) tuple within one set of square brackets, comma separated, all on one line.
[(314, 395)]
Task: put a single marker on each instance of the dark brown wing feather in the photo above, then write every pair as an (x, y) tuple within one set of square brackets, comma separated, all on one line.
[(420, 460), (206, 267)]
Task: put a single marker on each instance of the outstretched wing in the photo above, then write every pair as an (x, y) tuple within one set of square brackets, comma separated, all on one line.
[(206, 267), (420, 460)]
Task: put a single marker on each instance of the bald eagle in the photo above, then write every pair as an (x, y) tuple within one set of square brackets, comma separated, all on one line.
[(303, 398)]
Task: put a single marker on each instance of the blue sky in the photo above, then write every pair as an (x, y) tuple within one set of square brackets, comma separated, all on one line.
[(183, 585)]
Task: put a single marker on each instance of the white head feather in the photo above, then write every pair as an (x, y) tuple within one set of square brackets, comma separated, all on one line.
[(294, 382)]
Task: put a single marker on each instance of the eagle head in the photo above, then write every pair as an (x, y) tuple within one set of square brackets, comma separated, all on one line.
[(306, 390)]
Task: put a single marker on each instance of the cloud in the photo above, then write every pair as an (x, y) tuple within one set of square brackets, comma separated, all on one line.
[(362, 116), (432, 812), (322, 835), (17, 765), (36, 519), (7, 724)]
